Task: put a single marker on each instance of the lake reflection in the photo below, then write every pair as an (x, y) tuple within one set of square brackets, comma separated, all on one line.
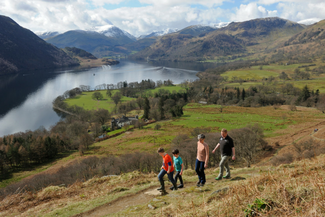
[(26, 99)]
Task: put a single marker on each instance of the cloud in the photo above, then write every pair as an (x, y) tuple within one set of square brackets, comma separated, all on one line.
[(64, 15), (251, 11), (170, 3), (302, 11)]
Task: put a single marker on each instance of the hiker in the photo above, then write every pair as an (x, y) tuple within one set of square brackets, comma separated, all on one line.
[(168, 168), (201, 159), (227, 150), (178, 165)]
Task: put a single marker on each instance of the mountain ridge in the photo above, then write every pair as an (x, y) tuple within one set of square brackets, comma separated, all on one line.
[(21, 49)]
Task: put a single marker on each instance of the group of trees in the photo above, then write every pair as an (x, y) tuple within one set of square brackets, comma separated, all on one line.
[(22, 150), (268, 93)]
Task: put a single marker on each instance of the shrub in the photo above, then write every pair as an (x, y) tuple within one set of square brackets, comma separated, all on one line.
[(287, 158), (157, 127)]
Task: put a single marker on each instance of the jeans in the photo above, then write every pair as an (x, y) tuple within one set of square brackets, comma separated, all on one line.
[(170, 176), (224, 163), (178, 175), (199, 168)]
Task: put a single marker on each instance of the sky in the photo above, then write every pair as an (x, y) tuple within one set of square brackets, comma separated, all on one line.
[(140, 17)]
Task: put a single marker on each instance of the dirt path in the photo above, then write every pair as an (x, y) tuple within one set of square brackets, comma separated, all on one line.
[(119, 204)]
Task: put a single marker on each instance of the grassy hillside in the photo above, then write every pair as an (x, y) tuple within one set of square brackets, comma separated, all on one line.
[(294, 188)]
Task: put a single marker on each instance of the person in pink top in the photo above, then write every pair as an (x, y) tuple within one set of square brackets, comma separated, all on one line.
[(201, 159)]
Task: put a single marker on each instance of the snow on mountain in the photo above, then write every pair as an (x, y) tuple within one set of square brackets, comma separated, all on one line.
[(113, 31), (46, 35), (309, 21), (219, 25), (158, 33)]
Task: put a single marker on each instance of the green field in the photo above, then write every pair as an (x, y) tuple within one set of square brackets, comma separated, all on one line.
[(197, 115), (250, 74), (267, 71), (85, 99), (171, 89)]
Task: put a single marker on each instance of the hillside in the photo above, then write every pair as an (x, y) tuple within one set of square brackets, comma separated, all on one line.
[(96, 43), (196, 30), (21, 49), (182, 47), (247, 37), (311, 34), (76, 52)]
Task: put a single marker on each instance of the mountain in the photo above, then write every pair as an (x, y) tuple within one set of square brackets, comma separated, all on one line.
[(46, 35), (158, 33), (76, 52), (200, 42), (21, 49), (313, 33), (112, 31), (196, 30), (91, 41)]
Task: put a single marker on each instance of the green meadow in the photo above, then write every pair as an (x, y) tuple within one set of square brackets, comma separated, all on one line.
[(85, 99)]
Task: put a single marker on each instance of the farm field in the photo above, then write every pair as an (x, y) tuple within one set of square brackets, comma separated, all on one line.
[(267, 71)]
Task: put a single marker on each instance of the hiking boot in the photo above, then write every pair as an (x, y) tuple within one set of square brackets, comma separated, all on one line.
[(226, 177), (171, 188), (198, 183), (219, 178), (162, 186), (175, 187), (201, 185), (180, 186)]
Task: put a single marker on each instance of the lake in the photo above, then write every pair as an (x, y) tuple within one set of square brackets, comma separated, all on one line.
[(26, 98)]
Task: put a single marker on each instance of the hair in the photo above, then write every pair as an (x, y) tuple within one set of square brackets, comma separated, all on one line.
[(201, 136), (175, 151), (161, 150), (224, 130)]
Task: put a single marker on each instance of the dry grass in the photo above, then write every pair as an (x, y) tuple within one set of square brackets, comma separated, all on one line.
[(296, 189)]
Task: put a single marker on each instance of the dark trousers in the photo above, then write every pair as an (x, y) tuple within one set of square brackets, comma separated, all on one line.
[(199, 169), (178, 176), (164, 172)]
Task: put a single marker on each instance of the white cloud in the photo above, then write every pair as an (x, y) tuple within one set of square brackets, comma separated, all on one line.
[(251, 11), (169, 3), (63, 15)]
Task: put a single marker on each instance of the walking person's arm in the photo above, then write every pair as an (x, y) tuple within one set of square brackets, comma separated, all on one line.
[(233, 153), (169, 167), (206, 156), (214, 150), (181, 170)]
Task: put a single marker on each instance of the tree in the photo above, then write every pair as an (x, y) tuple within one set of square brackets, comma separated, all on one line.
[(161, 108), (140, 102), (117, 97), (109, 93), (86, 140), (101, 116), (146, 108), (243, 94), (238, 93), (97, 95), (283, 76), (305, 94), (248, 141)]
